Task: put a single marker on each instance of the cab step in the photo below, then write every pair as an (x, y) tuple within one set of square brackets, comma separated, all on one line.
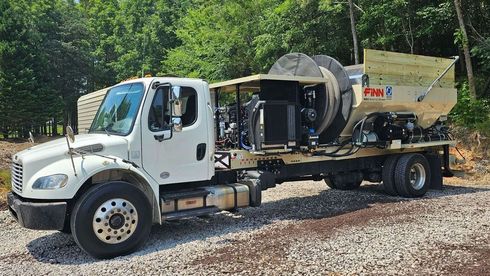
[(190, 213), (185, 194)]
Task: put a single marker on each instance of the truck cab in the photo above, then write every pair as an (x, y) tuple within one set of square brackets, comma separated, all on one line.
[(147, 133)]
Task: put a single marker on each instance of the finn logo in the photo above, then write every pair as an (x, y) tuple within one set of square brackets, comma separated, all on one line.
[(389, 92)]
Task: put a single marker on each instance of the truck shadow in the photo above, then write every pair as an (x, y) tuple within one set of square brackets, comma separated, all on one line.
[(61, 248)]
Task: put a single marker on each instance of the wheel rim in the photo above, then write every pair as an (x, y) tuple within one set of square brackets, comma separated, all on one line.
[(115, 221), (417, 176)]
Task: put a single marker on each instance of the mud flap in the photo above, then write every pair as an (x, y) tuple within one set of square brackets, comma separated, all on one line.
[(447, 169), (435, 163)]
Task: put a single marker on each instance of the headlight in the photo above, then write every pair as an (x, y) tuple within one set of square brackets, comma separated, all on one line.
[(50, 182)]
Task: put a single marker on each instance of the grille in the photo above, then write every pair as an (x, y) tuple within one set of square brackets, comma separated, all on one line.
[(17, 175)]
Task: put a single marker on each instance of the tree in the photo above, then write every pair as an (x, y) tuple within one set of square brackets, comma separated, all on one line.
[(22, 90), (100, 21), (64, 50), (312, 27), (354, 32), (217, 40), (52, 51), (466, 48), (43, 63)]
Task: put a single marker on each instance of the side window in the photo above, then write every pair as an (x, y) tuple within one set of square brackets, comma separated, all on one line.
[(159, 117), (189, 106)]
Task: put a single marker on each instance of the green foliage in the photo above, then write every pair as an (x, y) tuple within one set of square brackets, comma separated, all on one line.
[(469, 112), (421, 27), (311, 27), (226, 39), (4, 181), (53, 51), (130, 38), (482, 52), (100, 21), (217, 40), (484, 128), (43, 61)]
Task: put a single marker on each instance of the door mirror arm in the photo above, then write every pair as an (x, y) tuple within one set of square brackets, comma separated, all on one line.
[(159, 138)]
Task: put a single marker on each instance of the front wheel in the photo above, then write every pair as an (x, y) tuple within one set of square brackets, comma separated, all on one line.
[(111, 219)]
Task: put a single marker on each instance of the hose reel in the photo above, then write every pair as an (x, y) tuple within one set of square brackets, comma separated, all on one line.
[(333, 99)]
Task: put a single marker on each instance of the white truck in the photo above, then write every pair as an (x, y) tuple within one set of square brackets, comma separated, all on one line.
[(162, 149)]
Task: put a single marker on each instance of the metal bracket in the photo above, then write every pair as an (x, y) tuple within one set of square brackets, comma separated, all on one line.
[(421, 97)]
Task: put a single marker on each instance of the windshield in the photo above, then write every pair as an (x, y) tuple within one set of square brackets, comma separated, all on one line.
[(118, 111)]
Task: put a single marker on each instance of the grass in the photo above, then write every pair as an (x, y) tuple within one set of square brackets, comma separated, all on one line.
[(4, 179), (4, 186)]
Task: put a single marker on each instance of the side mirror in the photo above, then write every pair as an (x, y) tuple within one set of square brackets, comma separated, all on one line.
[(31, 138), (176, 102), (177, 124), (70, 134), (176, 92), (177, 108)]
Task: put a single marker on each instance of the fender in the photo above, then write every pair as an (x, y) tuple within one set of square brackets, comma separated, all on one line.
[(85, 167)]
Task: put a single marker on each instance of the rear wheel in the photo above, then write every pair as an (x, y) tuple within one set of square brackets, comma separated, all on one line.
[(111, 219), (342, 185), (412, 175), (388, 175)]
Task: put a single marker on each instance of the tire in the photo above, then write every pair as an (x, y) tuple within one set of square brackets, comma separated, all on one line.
[(330, 183), (388, 175), (66, 228), (111, 219), (341, 185), (412, 175)]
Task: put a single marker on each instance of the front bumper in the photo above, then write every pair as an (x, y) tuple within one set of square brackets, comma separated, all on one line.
[(37, 215)]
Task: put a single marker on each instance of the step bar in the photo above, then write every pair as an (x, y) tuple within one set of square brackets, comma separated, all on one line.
[(190, 213)]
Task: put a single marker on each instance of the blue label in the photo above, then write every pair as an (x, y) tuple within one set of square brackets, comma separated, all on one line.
[(389, 91)]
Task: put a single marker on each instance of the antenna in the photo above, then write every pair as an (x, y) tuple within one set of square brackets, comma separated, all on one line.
[(143, 58)]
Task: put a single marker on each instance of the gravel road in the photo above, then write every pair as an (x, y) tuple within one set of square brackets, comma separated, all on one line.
[(301, 228)]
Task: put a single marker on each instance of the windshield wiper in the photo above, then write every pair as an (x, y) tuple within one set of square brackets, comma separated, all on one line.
[(106, 128)]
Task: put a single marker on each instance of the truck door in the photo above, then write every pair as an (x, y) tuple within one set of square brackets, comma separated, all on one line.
[(175, 157)]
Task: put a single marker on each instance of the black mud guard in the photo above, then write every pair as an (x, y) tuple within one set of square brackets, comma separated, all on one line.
[(447, 169), (435, 163)]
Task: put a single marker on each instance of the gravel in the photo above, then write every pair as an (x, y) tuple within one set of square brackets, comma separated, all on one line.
[(301, 228)]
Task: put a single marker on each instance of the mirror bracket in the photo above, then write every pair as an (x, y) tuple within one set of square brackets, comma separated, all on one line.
[(159, 138), (70, 137)]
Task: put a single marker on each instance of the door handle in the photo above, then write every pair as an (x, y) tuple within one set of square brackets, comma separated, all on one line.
[(201, 151), (159, 138)]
